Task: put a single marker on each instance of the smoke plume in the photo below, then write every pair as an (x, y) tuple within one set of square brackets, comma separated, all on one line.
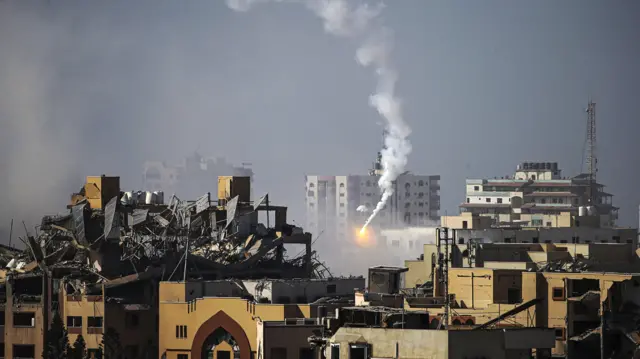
[(360, 23)]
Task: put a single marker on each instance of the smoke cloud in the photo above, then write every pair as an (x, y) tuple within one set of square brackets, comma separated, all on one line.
[(359, 23)]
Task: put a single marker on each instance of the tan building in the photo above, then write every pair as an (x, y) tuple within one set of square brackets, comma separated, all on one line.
[(437, 344), (195, 317), (288, 339)]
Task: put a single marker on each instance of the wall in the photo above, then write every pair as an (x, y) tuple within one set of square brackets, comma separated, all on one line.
[(279, 335), (419, 272), (92, 306), (411, 343)]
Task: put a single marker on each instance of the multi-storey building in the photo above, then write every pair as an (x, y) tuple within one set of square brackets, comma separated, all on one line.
[(341, 204), (537, 194), (192, 177)]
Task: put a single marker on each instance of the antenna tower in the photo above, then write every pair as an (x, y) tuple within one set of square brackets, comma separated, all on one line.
[(591, 158)]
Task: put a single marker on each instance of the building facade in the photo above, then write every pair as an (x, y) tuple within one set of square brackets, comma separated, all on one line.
[(537, 194), (340, 205)]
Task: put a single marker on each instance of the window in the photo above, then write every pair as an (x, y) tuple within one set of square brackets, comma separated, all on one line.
[(507, 240), (74, 322), (557, 293), (93, 353), (575, 239), (310, 194), (24, 319), (342, 194), (499, 200), (488, 200), (335, 351), (183, 356), (560, 334), (535, 240), (341, 185), (460, 240), (476, 188), (548, 224), (341, 204), (306, 353), (465, 225), (468, 200), (395, 243), (421, 183), (359, 351), (420, 195), (181, 331), (132, 320), (311, 185), (536, 222), (24, 351), (1, 323), (331, 288), (616, 239), (543, 201), (94, 322), (407, 205)]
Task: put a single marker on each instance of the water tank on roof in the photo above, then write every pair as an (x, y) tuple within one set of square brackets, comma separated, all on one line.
[(148, 197), (582, 211)]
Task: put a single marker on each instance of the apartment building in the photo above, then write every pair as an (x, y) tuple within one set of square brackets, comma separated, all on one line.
[(339, 205), (536, 194)]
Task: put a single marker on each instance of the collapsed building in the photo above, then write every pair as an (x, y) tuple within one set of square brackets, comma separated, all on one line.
[(101, 265)]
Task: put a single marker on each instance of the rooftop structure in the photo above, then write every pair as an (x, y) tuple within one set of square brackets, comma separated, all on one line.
[(536, 193)]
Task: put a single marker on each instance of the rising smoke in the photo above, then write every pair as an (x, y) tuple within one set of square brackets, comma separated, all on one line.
[(359, 22)]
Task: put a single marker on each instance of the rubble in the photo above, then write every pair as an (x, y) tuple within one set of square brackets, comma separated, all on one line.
[(109, 238)]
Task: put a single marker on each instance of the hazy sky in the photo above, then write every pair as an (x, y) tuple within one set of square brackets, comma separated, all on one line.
[(92, 87)]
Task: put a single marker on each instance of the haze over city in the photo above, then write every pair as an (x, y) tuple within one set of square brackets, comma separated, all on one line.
[(92, 88)]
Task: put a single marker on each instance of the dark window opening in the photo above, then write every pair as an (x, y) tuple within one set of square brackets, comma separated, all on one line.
[(1, 321), (335, 351), (558, 293), (460, 240), (181, 331), (507, 240), (581, 286), (535, 240), (560, 334), (331, 288), (93, 353), (307, 353), (74, 322), (513, 296), (24, 319), (464, 225), (616, 239), (224, 354), (94, 322), (24, 351), (359, 352)]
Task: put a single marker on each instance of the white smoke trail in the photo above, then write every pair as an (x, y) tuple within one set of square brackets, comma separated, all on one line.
[(341, 19)]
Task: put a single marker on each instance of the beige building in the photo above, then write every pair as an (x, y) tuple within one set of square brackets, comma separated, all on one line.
[(349, 342), (535, 195)]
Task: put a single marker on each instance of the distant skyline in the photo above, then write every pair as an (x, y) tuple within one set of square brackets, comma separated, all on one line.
[(90, 88)]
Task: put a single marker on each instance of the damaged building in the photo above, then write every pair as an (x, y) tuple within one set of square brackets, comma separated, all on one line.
[(129, 266)]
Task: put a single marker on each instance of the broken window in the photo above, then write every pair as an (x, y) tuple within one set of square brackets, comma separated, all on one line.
[(24, 319), (74, 322), (24, 351)]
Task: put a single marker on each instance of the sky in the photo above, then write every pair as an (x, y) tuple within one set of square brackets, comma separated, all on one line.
[(89, 88)]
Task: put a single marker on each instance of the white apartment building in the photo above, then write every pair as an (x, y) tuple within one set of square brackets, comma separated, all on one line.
[(536, 191), (332, 202)]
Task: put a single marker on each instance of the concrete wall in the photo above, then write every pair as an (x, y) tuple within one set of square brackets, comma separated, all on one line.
[(553, 235), (410, 343), (292, 338), (419, 272)]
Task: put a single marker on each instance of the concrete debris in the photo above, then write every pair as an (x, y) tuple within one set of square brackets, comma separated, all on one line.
[(111, 238)]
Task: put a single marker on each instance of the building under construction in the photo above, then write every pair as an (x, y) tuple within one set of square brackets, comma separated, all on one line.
[(109, 264)]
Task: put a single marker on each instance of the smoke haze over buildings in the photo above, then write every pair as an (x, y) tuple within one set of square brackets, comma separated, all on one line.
[(99, 87)]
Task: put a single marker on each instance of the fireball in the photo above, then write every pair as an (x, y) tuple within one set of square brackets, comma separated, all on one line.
[(364, 238)]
